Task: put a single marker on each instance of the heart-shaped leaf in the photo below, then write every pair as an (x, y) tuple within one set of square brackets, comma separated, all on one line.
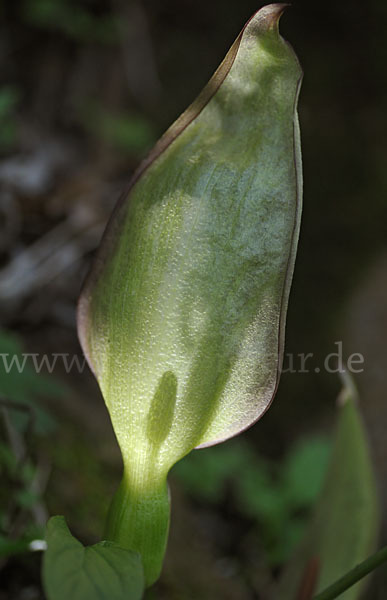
[(72, 571)]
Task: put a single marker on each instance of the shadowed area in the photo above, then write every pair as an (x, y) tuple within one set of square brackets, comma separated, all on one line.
[(162, 408)]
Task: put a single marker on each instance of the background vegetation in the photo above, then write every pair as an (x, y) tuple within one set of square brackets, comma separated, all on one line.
[(86, 87)]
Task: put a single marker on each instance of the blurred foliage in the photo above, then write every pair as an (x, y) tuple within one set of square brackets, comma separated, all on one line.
[(20, 383), (81, 481), (345, 524), (127, 132), (9, 99), (22, 419), (16, 502), (73, 18), (278, 496)]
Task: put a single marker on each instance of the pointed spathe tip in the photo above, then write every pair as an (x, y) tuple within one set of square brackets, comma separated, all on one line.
[(348, 392), (266, 19), (269, 16)]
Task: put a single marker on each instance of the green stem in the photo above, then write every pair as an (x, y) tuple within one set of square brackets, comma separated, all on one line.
[(353, 576), (138, 519)]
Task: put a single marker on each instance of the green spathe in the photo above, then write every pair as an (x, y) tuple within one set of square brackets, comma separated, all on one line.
[(182, 317)]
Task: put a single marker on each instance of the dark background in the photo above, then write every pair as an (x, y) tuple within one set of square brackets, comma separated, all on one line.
[(86, 87)]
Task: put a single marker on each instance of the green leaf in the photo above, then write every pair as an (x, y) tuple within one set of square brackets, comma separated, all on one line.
[(304, 470), (343, 530), (73, 571), (191, 282)]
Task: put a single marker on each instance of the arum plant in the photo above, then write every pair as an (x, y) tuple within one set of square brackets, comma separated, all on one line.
[(182, 317), (182, 321)]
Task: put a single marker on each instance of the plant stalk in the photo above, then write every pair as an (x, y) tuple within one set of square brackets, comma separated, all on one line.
[(353, 576), (138, 520)]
